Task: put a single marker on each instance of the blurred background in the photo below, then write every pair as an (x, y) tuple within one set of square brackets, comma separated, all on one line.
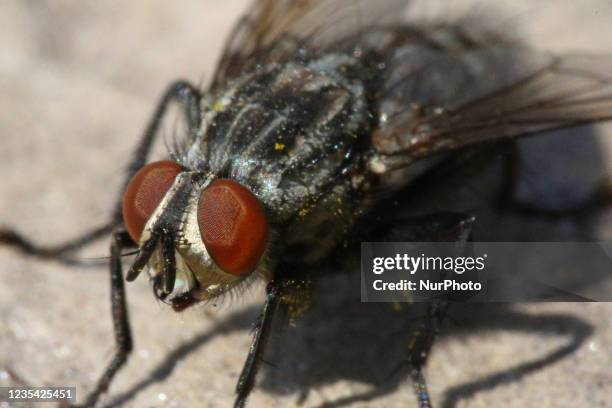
[(78, 82)]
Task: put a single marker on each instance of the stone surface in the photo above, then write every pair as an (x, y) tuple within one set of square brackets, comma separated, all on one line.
[(78, 81)]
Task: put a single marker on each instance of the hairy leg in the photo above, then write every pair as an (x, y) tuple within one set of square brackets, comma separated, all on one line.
[(121, 323), (189, 96), (260, 339)]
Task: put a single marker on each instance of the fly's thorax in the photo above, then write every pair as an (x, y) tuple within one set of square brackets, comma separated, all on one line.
[(295, 134), (286, 131)]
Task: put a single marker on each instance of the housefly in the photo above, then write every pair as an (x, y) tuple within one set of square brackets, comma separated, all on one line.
[(320, 113)]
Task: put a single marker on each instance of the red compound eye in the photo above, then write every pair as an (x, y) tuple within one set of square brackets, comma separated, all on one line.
[(144, 193), (233, 226)]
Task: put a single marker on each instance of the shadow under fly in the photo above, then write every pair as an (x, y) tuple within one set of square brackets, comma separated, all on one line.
[(328, 123)]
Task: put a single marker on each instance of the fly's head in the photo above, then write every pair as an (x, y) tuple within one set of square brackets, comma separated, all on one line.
[(200, 235)]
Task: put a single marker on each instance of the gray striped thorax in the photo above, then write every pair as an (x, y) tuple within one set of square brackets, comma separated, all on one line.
[(287, 132)]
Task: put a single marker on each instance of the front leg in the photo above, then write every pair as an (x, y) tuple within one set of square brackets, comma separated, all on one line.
[(261, 333), (121, 323), (179, 91), (189, 97)]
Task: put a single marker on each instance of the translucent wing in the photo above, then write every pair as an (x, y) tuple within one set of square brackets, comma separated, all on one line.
[(273, 30), (549, 93), (442, 90)]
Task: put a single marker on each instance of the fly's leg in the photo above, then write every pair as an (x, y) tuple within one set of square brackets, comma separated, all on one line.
[(189, 96), (443, 227), (60, 252), (180, 91), (420, 346), (121, 324), (260, 338)]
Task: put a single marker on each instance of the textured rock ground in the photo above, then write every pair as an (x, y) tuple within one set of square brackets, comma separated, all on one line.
[(78, 82)]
